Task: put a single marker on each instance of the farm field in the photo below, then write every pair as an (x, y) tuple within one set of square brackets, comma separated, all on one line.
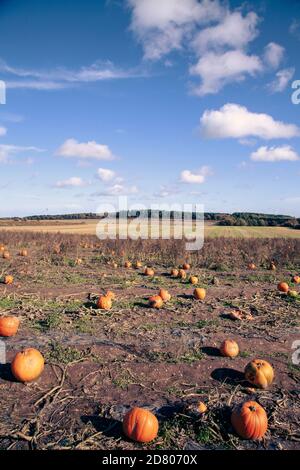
[(100, 363), (88, 227)]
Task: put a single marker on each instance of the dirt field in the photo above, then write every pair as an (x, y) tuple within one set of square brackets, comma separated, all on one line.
[(100, 363), (88, 227)]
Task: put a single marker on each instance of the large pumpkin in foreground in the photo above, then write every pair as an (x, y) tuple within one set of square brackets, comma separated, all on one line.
[(250, 420), (140, 425), (9, 326), (260, 373), (27, 365)]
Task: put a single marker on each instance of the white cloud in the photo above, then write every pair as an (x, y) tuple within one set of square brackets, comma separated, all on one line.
[(295, 28), (234, 31), (273, 54), (275, 154), (235, 121), (117, 190), (283, 77), (161, 26), (72, 148), (105, 174), (6, 151), (166, 191), (196, 177), (218, 69), (58, 78), (74, 181), (3, 131)]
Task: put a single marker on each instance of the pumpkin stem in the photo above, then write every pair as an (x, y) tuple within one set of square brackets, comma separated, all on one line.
[(252, 408)]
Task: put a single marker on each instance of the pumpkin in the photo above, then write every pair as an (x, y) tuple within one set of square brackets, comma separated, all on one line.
[(249, 420), (78, 261), (194, 280), (229, 348), (260, 373), (155, 301), (201, 407), (186, 266), (138, 265), (8, 279), (174, 272), (6, 255), (127, 264), (110, 294), (2, 247), (9, 326), (27, 365), (292, 293), (23, 252), (296, 279), (181, 274), (252, 266), (115, 265), (199, 293), (164, 294), (272, 267), (283, 287), (140, 425), (149, 271), (104, 302)]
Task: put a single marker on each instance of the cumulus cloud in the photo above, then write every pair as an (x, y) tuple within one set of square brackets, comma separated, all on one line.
[(218, 69), (275, 154), (273, 54), (7, 151), (234, 31), (161, 26), (196, 177), (71, 148), (73, 182), (235, 121), (105, 174), (283, 77)]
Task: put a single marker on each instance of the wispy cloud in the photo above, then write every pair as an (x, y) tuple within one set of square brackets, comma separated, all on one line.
[(282, 79), (7, 151), (60, 77), (275, 154), (73, 182)]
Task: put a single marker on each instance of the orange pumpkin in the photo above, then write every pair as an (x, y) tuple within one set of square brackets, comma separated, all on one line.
[(115, 265), (27, 365), (138, 265), (6, 255), (201, 407), (199, 293), (260, 373), (149, 272), (127, 264), (78, 261), (110, 294), (229, 348), (194, 280), (155, 301), (9, 326), (23, 252), (2, 247), (252, 266), (182, 274), (140, 425), (296, 279), (186, 266), (250, 420), (174, 272), (104, 302), (164, 294), (283, 287), (272, 267), (8, 279)]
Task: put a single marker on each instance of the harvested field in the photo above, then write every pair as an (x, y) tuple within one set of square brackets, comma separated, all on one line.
[(100, 363)]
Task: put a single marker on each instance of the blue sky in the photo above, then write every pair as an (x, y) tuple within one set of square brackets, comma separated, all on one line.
[(164, 101)]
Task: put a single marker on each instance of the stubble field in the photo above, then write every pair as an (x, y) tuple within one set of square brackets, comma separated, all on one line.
[(100, 363)]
